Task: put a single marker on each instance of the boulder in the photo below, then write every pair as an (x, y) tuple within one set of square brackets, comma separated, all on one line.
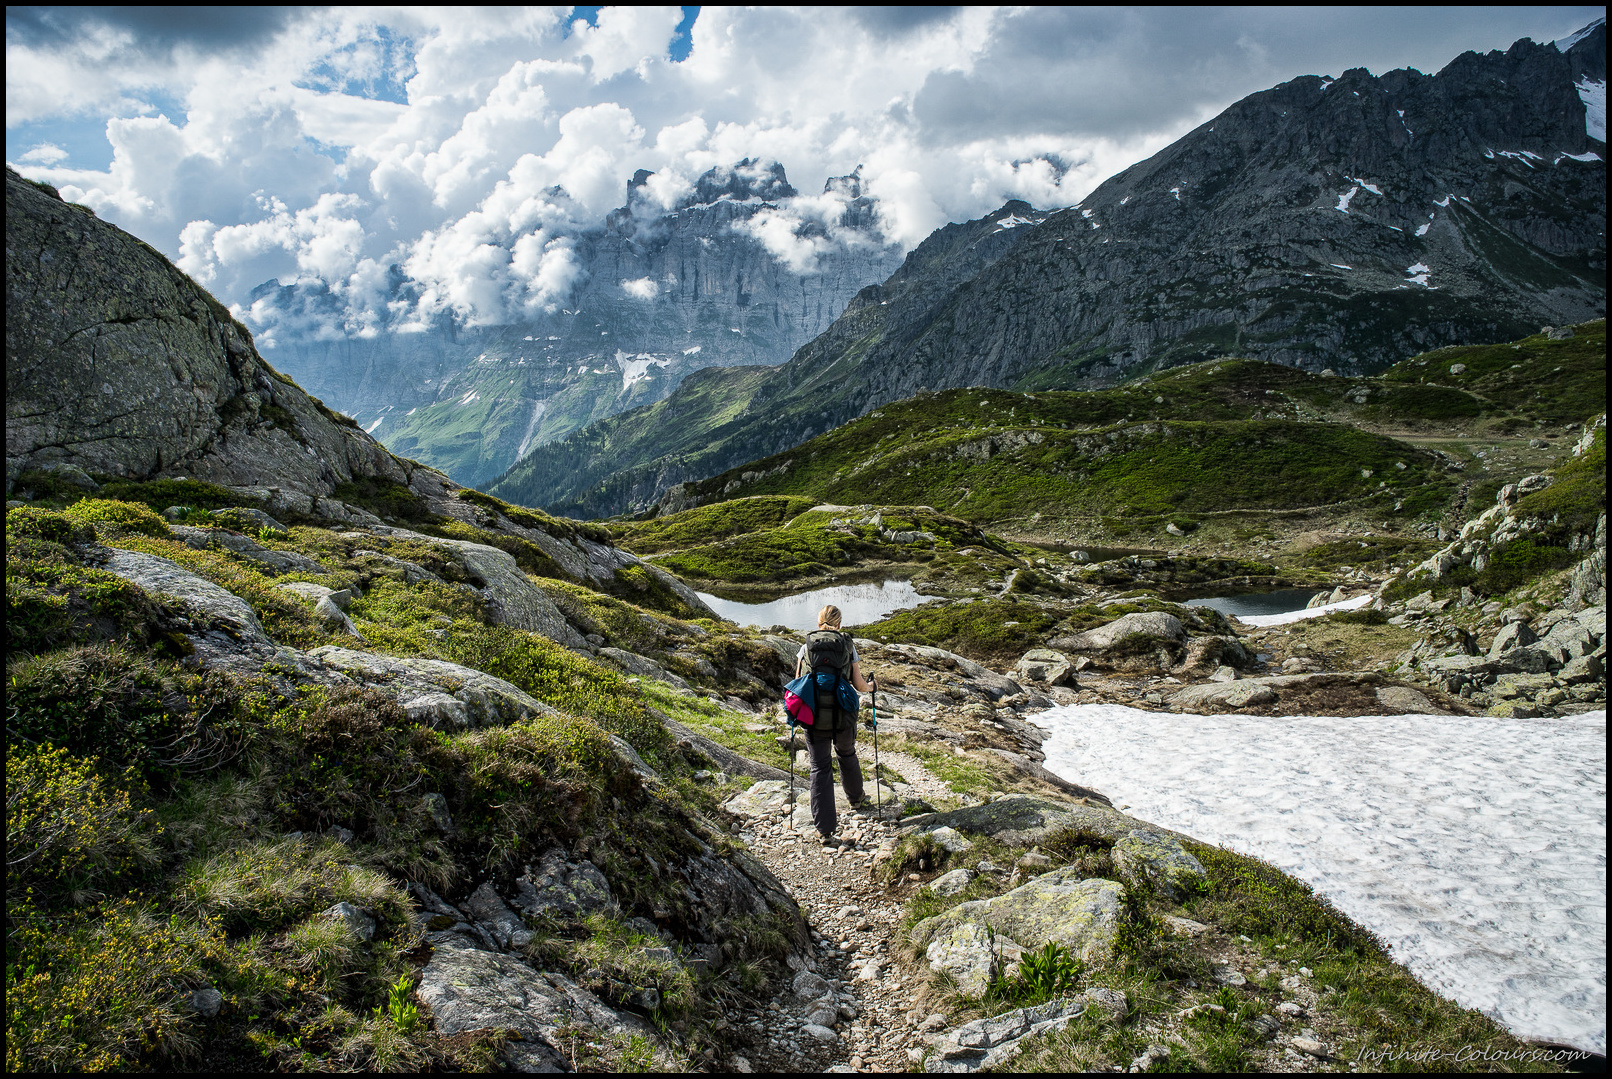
[(1405, 700), (633, 663), (1524, 686), (970, 953), (951, 883), (1152, 859), (511, 597), (1152, 625), (993, 1041), (950, 839), (995, 685), (1514, 635), (435, 692), (1044, 665), (1082, 915), (1581, 670), (1223, 696), (563, 889), (472, 989), (359, 923)]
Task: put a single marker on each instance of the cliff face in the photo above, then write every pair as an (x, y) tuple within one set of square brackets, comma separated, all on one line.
[(1342, 224), (118, 363), (660, 294)]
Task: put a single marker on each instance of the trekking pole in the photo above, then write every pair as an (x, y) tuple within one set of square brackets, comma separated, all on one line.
[(789, 803), (878, 794)]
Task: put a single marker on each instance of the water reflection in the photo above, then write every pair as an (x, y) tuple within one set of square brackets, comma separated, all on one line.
[(1259, 603), (858, 604)]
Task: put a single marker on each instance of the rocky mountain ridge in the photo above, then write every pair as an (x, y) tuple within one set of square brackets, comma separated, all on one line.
[(1329, 224), (658, 294)]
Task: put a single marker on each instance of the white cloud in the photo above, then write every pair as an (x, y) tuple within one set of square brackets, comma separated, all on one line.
[(642, 289)]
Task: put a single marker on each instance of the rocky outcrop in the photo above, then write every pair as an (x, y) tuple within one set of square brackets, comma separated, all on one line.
[(118, 363), (991, 1042), (468, 989), (435, 692)]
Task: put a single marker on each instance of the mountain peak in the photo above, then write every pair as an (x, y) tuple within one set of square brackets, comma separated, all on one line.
[(749, 179)]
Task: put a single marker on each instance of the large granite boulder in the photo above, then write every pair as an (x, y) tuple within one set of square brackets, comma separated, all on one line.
[(1084, 915), (562, 889), (1023, 821), (1151, 628), (511, 597), (1152, 859)]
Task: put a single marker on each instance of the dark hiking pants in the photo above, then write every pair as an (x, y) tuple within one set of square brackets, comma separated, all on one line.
[(824, 745)]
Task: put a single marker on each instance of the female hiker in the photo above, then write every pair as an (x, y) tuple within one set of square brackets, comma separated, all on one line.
[(831, 655)]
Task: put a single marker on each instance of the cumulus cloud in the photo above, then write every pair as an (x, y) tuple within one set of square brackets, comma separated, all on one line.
[(642, 289), (405, 165)]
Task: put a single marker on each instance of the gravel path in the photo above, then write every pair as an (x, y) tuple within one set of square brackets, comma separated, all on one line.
[(853, 922)]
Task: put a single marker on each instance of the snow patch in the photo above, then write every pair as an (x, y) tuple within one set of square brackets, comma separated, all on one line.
[(636, 368), (1176, 191), (1588, 156), (371, 428), (1593, 94), (1476, 848), (412, 411), (1373, 188), (1421, 230), (1564, 43), (1343, 199), (1088, 216), (1013, 221), (1307, 612), (1339, 266), (1418, 274), (1445, 201), (1124, 200), (470, 398), (691, 351)]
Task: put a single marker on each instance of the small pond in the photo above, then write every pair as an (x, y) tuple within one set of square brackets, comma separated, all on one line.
[(858, 604), (1260, 603)]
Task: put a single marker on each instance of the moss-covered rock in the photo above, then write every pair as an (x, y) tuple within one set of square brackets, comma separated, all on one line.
[(1150, 859), (1085, 916)]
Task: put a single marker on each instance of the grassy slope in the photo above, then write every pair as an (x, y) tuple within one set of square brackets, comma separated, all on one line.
[(1224, 435), (178, 789), (694, 421)]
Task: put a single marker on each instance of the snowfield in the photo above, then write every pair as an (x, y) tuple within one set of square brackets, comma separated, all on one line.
[(1475, 847)]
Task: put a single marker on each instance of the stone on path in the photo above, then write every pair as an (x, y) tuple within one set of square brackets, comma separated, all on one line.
[(991, 1042), (951, 883)]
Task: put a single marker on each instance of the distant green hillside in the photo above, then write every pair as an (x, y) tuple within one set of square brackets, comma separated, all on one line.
[(1226, 435)]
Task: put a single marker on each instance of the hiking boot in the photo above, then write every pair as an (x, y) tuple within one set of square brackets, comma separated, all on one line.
[(830, 841)]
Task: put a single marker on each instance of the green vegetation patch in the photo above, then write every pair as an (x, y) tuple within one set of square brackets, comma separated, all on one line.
[(987, 630), (385, 498), (1536, 377), (117, 518), (707, 524)]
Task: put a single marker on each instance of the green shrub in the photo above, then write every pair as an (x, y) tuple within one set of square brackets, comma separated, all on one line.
[(51, 601), (125, 707), (66, 826), (1257, 899), (103, 992), (158, 495), (118, 518), (987, 630), (35, 522), (383, 497)]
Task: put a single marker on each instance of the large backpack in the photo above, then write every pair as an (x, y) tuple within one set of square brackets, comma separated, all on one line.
[(828, 657)]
